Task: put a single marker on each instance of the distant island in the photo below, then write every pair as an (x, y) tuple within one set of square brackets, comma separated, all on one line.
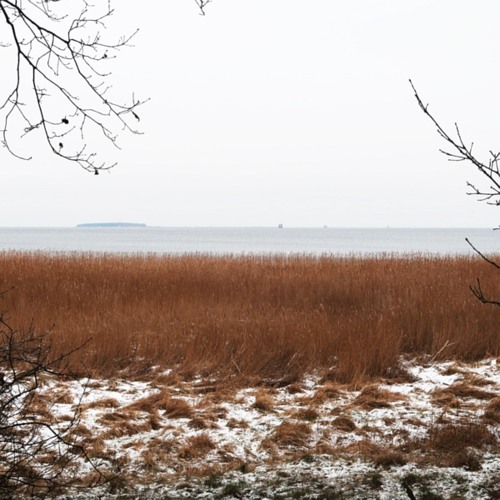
[(111, 224)]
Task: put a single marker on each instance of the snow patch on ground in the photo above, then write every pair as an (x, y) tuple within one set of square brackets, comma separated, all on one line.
[(316, 439)]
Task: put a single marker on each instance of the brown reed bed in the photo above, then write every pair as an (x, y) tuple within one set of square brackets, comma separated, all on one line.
[(271, 317)]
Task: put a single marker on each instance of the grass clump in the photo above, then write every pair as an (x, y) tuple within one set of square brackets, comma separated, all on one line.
[(290, 434)]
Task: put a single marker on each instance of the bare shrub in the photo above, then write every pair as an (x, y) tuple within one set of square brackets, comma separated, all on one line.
[(36, 450)]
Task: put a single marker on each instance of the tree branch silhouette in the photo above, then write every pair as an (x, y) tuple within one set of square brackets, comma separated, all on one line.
[(202, 4), (461, 152), (59, 84), (36, 452), (489, 194)]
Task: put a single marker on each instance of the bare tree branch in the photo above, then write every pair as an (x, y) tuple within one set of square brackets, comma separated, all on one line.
[(462, 152), (490, 195), (479, 294), (202, 4), (36, 453), (59, 85), (489, 261), (476, 289)]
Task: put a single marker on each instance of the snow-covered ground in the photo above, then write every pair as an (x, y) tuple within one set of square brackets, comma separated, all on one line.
[(432, 429)]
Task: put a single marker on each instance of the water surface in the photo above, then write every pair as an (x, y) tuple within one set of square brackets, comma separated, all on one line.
[(250, 240)]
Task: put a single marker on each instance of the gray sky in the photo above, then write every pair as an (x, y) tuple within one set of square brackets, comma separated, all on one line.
[(291, 112)]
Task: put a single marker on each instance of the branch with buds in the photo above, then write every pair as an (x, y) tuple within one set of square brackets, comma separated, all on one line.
[(59, 83)]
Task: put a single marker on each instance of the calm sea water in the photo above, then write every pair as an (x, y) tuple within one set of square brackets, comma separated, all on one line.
[(249, 240)]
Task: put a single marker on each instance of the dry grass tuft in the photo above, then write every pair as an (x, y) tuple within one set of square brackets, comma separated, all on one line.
[(453, 369), (383, 456), (364, 448), (492, 411), (444, 398), (199, 422), (454, 444), (373, 397), (125, 428), (328, 391), (476, 380), (81, 430), (294, 388), (310, 414), (344, 423), (462, 390), (103, 403), (173, 407), (152, 403), (178, 408), (156, 454), (389, 457), (263, 401), (196, 447), (290, 434), (465, 390)]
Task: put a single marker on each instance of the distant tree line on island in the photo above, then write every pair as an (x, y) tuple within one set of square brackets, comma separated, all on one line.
[(111, 224)]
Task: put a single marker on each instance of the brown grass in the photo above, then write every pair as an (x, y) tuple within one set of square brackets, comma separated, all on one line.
[(373, 397), (492, 411), (310, 414), (197, 446), (344, 423), (328, 391), (463, 390), (273, 317), (454, 444), (289, 434), (263, 401), (172, 407), (455, 437), (387, 457), (381, 455)]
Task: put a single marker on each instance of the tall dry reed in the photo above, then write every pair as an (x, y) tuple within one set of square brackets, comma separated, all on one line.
[(265, 316)]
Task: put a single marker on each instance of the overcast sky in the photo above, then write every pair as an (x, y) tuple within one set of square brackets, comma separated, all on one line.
[(284, 112)]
